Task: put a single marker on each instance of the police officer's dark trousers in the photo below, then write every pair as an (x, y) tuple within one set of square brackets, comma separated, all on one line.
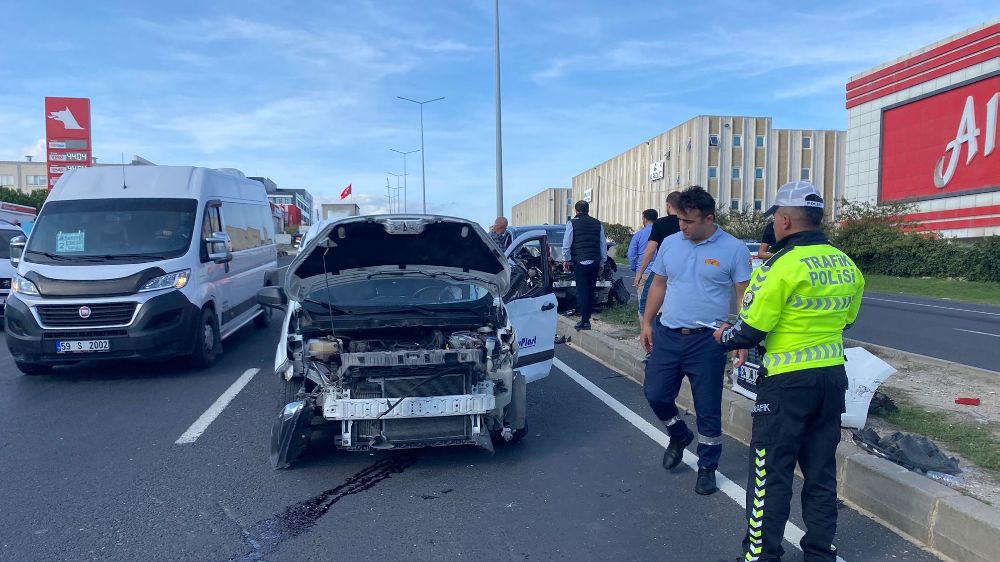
[(696, 355), (796, 420)]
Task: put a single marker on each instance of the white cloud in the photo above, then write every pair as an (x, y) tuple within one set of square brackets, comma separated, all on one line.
[(35, 150)]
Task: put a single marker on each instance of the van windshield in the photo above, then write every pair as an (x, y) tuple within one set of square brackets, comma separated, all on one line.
[(111, 231)]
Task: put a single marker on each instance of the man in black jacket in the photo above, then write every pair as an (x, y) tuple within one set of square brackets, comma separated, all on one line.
[(585, 249)]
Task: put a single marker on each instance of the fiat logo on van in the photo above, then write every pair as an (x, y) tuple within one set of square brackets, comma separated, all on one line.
[(84, 312)]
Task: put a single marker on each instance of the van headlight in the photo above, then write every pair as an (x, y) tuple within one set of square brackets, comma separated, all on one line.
[(175, 280), (21, 286)]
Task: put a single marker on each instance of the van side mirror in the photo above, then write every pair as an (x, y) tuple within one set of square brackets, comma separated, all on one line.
[(17, 249), (220, 248), (272, 297)]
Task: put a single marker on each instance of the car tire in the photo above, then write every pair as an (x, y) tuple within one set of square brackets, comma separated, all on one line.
[(206, 342), (33, 368), (263, 320), (289, 390)]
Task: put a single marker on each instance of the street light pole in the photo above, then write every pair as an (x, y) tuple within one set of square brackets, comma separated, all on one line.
[(423, 172), (496, 36), (397, 186), (405, 189)]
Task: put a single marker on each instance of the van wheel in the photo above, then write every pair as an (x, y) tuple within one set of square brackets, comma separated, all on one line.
[(263, 320), (206, 341), (33, 368)]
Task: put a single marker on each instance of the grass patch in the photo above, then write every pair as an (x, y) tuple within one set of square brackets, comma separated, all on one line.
[(621, 260), (978, 444), (969, 291), (627, 315)]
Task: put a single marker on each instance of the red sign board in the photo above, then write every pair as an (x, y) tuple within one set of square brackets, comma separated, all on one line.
[(17, 208), (942, 145), (67, 132)]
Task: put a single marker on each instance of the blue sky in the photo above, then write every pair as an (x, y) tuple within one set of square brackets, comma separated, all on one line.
[(305, 92)]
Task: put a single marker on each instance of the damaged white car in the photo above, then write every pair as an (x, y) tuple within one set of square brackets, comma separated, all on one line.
[(410, 331)]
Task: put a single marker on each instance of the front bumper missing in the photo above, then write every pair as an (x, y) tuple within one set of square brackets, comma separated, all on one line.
[(411, 407)]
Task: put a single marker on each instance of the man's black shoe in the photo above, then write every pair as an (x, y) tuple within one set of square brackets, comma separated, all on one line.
[(706, 482), (581, 325), (675, 450)]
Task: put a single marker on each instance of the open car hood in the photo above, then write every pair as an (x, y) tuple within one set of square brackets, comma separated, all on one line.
[(350, 247)]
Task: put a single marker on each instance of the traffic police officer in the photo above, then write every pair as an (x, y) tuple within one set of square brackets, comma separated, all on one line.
[(798, 304)]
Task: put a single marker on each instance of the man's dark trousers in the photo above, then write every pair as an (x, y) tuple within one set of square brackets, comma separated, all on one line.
[(796, 419), (586, 282), (703, 361)]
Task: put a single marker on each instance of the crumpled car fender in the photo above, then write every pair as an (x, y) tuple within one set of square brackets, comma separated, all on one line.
[(290, 433)]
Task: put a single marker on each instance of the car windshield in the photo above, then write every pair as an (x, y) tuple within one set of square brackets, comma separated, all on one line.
[(112, 230), (5, 237), (399, 293), (555, 233)]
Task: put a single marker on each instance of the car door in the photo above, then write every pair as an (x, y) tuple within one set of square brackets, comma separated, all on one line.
[(531, 306)]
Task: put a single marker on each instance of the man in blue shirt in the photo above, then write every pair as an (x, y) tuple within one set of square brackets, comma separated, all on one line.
[(636, 250), (698, 270), (585, 249)]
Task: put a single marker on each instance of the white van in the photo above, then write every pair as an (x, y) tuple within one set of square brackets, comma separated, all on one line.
[(140, 262), (8, 231)]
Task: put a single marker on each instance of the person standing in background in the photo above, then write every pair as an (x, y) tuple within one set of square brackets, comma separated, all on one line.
[(637, 249), (584, 251), (499, 233)]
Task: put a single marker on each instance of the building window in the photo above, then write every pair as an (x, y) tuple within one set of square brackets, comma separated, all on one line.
[(734, 205), (713, 140), (758, 205), (677, 180), (689, 142), (35, 181), (760, 141), (6, 181), (806, 142), (736, 173), (758, 173), (805, 173), (713, 172), (737, 140)]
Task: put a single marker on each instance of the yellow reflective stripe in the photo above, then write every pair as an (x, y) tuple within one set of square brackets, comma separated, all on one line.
[(814, 353), (819, 303)]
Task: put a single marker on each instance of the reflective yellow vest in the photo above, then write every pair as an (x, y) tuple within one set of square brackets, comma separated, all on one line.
[(803, 298)]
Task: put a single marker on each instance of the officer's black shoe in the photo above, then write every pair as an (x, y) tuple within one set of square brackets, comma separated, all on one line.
[(706, 482), (675, 450), (581, 325)]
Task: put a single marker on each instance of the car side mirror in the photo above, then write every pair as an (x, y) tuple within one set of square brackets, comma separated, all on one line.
[(220, 248), (17, 249), (272, 297)]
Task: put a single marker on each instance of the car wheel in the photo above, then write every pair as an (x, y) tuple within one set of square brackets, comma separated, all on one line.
[(263, 320), (206, 341), (289, 390), (33, 368)]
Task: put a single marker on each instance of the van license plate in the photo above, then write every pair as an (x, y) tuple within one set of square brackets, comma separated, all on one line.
[(83, 346)]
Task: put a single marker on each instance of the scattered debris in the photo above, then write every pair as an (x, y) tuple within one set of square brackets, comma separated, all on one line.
[(882, 405), (967, 401), (915, 452), (563, 339)]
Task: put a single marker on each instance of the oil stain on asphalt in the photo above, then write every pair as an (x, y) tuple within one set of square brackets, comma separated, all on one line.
[(264, 537)]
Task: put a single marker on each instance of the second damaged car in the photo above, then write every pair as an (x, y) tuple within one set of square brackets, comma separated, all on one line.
[(409, 331)]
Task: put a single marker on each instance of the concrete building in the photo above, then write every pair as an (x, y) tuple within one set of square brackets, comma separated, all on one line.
[(740, 160), (27, 175), (922, 129), (300, 199), (551, 206), (338, 210)]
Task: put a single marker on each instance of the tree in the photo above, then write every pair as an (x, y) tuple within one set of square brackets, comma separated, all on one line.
[(34, 199)]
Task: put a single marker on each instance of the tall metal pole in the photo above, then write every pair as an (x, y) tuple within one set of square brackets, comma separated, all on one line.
[(423, 170), (397, 187), (496, 36), (405, 188)]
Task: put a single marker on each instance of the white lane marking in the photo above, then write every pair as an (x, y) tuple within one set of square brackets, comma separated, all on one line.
[(934, 306), (792, 533), (975, 332), (201, 424)]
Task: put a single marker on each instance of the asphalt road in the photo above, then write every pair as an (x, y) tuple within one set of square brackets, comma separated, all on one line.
[(946, 329), (91, 471)]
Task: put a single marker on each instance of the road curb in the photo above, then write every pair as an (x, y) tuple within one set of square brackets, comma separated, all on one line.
[(921, 510)]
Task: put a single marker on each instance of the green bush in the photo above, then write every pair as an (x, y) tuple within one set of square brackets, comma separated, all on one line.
[(746, 224), (880, 240), (620, 233), (34, 199)]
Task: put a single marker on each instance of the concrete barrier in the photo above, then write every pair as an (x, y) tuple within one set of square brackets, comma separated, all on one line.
[(958, 527)]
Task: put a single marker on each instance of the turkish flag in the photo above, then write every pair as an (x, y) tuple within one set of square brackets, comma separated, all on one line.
[(346, 192)]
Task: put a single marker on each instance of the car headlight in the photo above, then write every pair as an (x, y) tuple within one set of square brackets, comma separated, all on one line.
[(175, 280), (21, 286)]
